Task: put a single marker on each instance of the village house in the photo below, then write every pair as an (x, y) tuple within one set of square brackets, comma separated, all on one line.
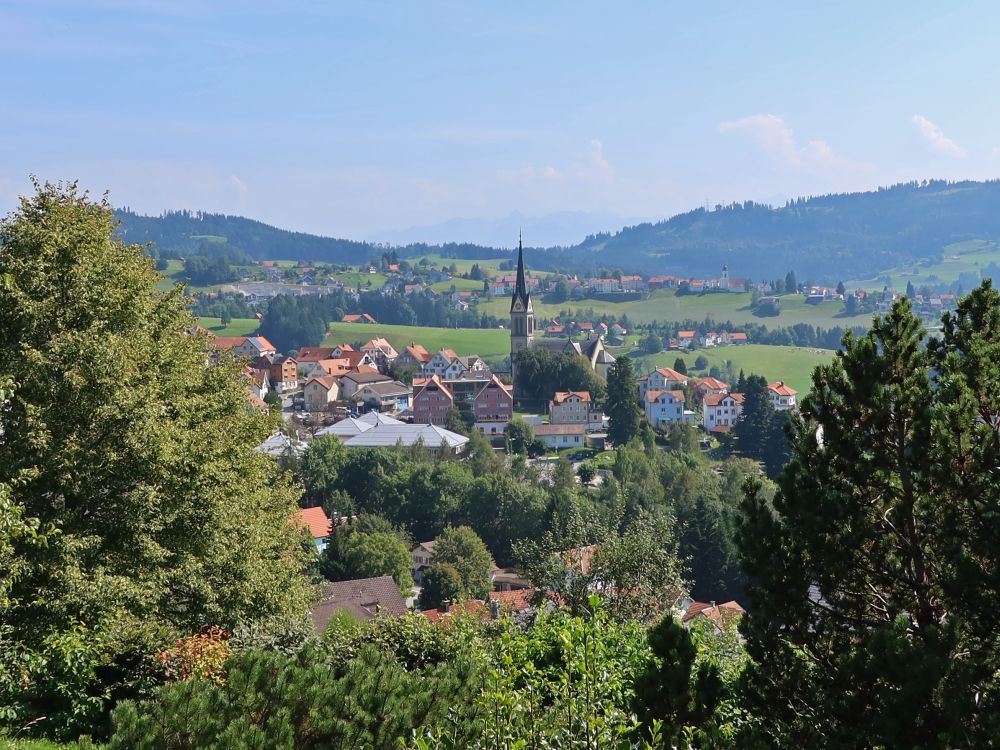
[(724, 617), (664, 408), (662, 379), (463, 366), (429, 436), (413, 357), (685, 339), (421, 557), (570, 407), (381, 352), (317, 523), (432, 402), (439, 363), (732, 337), (633, 284), (358, 318), (249, 347), (352, 382), (363, 598), (493, 407), (320, 391), (259, 381), (351, 426), (556, 436), (284, 374), (782, 396), (720, 411), (383, 396), (709, 385)]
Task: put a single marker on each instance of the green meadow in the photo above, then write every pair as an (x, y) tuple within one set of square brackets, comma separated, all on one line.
[(664, 305), (236, 327), (961, 257), (793, 364)]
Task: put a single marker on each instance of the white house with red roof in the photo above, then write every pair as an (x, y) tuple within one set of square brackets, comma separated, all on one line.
[(782, 396), (664, 408), (317, 523), (709, 385), (720, 411), (570, 407), (662, 379)]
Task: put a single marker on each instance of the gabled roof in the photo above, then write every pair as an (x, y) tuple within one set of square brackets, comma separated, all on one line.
[(314, 519), (314, 353), (685, 334), (495, 383), (387, 436), (418, 353), (561, 396), (671, 374), (651, 396), (448, 354), (712, 383), (366, 377), (473, 608), (714, 399), (544, 430), (327, 381), (722, 615), (780, 389), (261, 344), (227, 342), (365, 598)]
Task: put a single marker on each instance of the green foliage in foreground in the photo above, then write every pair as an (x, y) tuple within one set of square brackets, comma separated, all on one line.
[(561, 682), (136, 510)]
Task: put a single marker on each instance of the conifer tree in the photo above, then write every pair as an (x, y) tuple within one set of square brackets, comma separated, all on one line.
[(622, 404), (874, 570)]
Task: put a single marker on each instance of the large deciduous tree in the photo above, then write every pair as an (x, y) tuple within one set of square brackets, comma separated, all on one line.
[(875, 568), (137, 454)]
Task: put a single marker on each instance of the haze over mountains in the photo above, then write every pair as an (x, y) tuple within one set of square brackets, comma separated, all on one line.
[(826, 237)]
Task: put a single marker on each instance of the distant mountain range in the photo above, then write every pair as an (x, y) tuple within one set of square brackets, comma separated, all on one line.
[(827, 237)]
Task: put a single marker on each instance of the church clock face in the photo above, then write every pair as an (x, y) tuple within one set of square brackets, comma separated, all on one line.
[(518, 307)]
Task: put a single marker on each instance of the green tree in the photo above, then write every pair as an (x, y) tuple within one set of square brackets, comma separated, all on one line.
[(365, 548), (622, 407), (759, 432), (226, 318), (680, 366), (460, 547), (651, 344), (700, 362), (874, 563), (519, 435), (841, 289), (791, 283), (911, 293), (140, 454), (322, 467), (441, 583)]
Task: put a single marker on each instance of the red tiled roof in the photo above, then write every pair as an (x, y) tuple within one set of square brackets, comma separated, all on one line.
[(714, 399), (671, 374), (228, 342), (473, 607), (563, 395), (516, 601), (712, 383), (651, 396), (316, 520), (781, 389), (722, 615)]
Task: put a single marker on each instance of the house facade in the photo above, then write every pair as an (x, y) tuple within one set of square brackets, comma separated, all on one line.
[(389, 396), (320, 392), (662, 379), (432, 403), (493, 407), (556, 436), (352, 382), (721, 410), (664, 408), (570, 407), (783, 398)]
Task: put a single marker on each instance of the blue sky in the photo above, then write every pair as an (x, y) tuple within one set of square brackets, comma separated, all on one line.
[(356, 119)]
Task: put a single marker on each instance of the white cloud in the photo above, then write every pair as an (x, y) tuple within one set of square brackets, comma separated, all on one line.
[(773, 134), (937, 139)]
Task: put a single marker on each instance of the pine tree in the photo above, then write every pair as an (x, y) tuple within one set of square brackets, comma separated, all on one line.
[(680, 366), (622, 404), (874, 569)]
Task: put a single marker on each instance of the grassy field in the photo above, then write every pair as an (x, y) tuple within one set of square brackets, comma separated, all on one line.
[(461, 285), (353, 279), (793, 364), (961, 257), (463, 265), (236, 327), (489, 343), (664, 305)]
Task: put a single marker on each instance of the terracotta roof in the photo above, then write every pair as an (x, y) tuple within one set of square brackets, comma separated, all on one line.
[(228, 342), (722, 615), (364, 598), (781, 389), (563, 395), (670, 374), (473, 607), (651, 396), (712, 383), (316, 520), (264, 344), (685, 334), (327, 381), (314, 353), (448, 354), (515, 601), (418, 352), (737, 336), (714, 399), (358, 318)]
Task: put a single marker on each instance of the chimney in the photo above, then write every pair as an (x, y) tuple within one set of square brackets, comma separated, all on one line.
[(446, 605), (495, 609), (713, 604)]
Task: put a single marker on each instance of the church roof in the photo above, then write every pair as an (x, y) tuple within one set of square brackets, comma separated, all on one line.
[(520, 288)]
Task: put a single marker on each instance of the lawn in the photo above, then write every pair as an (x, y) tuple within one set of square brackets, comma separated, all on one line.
[(961, 257), (462, 264), (489, 343), (793, 364), (236, 327), (353, 279), (665, 305), (461, 285)]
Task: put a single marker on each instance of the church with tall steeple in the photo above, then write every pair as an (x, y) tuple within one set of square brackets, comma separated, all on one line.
[(522, 330), (522, 317)]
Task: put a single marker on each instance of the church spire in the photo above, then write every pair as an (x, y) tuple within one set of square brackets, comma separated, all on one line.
[(520, 287)]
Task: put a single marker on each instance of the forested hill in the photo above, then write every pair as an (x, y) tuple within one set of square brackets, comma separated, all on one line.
[(827, 237), (833, 236)]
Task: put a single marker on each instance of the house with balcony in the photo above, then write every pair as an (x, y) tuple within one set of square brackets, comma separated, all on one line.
[(493, 407), (720, 411)]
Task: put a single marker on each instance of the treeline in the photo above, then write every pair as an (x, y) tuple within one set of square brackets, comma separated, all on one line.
[(293, 322), (799, 334)]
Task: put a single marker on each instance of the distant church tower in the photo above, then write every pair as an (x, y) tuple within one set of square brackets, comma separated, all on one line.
[(724, 280), (522, 317)]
